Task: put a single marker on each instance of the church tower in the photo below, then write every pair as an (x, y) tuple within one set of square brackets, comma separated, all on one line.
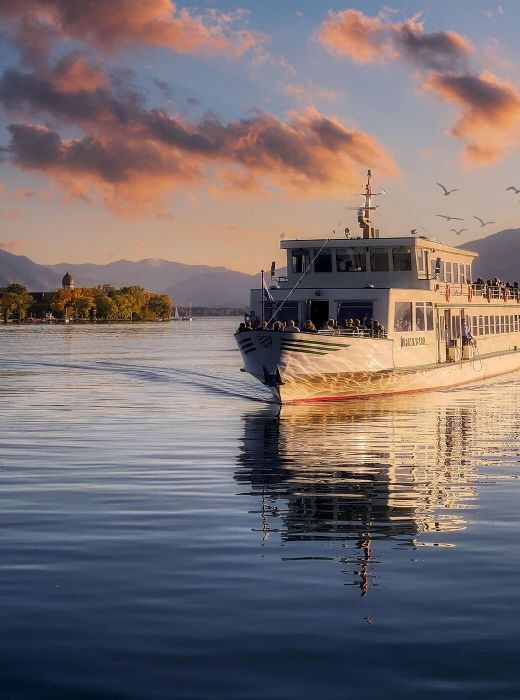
[(67, 282)]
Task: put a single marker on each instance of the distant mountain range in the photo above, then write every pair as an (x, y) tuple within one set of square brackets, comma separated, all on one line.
[(498, 255), (202, 285)]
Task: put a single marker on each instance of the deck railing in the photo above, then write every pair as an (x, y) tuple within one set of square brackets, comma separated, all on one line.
[(485, 291), (488, 291), (357, 333)]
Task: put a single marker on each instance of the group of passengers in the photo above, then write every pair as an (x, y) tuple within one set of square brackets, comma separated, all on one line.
[(496, 283), (352, 326)]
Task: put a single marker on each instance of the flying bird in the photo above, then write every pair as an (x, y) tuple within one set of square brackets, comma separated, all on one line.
[(449, 218), (482, 222), (458, 232), (515, 189), (446, 191)]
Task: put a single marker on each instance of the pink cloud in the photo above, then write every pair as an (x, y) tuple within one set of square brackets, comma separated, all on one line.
[(376, 40), (130, 155), (125, 23), (489, 120)]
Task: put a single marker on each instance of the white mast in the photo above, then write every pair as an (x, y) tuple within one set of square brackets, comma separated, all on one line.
[(364, 212)]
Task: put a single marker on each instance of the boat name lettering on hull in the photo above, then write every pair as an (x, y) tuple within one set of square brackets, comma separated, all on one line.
[(412, 342)]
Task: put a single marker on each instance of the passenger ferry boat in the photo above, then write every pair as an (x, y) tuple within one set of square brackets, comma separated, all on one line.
[(440, 329)]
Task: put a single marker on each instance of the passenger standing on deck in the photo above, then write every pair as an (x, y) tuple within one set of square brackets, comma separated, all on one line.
[(466, 335)]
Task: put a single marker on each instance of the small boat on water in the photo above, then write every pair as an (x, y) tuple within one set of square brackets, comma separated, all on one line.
[(187, 314), (175, 315), (396, 315)]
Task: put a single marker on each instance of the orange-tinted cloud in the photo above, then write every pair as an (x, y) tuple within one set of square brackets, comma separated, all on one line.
[(73, 73), (129, 167), (489, 119), (375, 39), (110, 24), (128, 154), (490, 113)]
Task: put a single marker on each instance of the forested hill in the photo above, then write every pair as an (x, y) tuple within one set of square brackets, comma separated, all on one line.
[(498, 255)]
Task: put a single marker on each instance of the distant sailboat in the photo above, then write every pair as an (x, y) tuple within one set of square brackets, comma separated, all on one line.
[(176, 316), (187, 313)]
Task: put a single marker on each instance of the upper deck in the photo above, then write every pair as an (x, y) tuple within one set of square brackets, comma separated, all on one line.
[(399, 262)]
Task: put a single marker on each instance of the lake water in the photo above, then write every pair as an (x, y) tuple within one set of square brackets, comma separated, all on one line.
[(164, 533)]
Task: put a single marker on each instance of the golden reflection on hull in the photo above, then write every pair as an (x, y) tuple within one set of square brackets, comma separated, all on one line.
[(393, 469), (330, 387)]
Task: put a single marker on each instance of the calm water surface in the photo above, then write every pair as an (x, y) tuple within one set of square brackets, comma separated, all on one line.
[(164, 533)]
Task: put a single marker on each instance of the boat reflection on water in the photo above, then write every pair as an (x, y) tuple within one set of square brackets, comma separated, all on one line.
[(367, 474)]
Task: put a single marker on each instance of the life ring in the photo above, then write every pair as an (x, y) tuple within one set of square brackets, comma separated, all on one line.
[(504, 293), (470, 292), (448, 292)]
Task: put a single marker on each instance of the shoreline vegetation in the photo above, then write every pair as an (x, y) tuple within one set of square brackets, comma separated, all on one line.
[(102, 304), (84, 304)]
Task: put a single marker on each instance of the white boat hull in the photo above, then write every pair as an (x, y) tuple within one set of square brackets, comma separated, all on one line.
[(301, 367)]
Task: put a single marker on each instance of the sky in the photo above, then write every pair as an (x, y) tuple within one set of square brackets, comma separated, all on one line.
[(204, 133)]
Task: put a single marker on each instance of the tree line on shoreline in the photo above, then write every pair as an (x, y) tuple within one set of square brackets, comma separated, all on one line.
[(103, 303)]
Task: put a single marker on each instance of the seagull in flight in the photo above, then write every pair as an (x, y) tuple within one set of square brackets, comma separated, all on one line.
[(446, 191), (515, 189), (449, 218), (458, 232), (482, 222)]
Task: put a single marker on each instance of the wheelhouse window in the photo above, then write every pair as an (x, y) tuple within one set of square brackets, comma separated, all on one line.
[(402, 259), (492, 325), (437, 267), (300, 260), (455, 327), (468, 273), (429, 316), (403, 316), (420, 261), (448, 272), (351, 260), (323, 262), (379, 259), (420, 316), (462, 273), (455, 272), (486, 325)]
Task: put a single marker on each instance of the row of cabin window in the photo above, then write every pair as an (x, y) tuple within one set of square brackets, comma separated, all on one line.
[(451, 272), (354, 259), (493, 325), (405, 321), (443, 270)]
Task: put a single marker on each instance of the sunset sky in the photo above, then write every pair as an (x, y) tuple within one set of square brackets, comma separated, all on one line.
[(203, 133)]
